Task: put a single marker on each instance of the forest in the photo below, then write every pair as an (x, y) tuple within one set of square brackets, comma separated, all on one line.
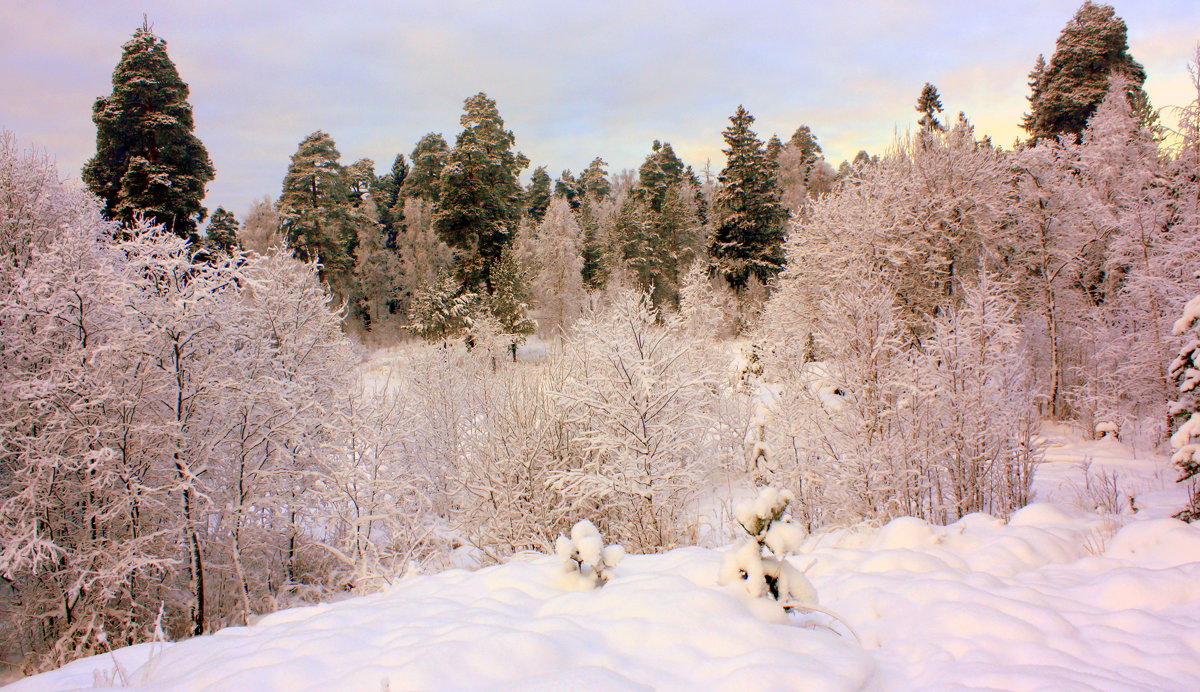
[(373, 374)]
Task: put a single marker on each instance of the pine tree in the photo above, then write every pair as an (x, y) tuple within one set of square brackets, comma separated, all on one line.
[(661, 170), (750, 217), (568, 188), (148, 162), (1066, 92), (480, 197), (315, 210), (223, 231), (538, 194), (805, 142), (929, 104), (593, 181), (428, 160)]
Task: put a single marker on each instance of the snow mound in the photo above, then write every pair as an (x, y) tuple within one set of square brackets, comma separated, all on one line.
[(1055, 599)]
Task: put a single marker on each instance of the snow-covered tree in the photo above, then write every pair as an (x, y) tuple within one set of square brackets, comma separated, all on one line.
[(748, 239), (637, 395), (260, 229), (1185, 372), (148, 161), (222, 231), (979, 399), (584, 558), (557, 284), (770, 528), (315, 211), (1066, 92), (479, 195)]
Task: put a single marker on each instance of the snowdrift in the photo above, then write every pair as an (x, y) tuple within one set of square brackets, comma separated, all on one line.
[(1056, 598)]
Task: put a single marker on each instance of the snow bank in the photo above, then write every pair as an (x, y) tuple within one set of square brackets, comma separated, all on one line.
[(1037, 603), (1058, 597)]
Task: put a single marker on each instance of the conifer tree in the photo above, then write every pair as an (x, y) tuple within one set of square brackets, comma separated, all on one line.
[(386, 192), (1066, 92), (480, 197), (538, 194), (148, 162), (929, 104), (428, 160), (805, 142), (568, 188), (223, 231), (315, 211), (661, 170), (774, 147), (593, 181), (509, 301), (750, 217)]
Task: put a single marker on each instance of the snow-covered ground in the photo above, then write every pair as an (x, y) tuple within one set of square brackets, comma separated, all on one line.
[(1059, 598)]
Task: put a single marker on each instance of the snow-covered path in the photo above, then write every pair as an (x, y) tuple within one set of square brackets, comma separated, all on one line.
[(1057, 598)]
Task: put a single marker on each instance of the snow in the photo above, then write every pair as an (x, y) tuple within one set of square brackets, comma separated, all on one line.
[(1059, 597)]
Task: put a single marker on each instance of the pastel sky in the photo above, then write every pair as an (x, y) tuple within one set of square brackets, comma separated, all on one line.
[(572, 79)]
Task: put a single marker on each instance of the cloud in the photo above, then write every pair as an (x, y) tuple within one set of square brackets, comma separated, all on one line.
[(572, 80)]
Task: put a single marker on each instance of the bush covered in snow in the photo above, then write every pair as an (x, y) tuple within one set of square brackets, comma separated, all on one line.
[(771, 530), (585, 560)]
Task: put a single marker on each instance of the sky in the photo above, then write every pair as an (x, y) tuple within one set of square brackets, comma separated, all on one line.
[(572, 79)]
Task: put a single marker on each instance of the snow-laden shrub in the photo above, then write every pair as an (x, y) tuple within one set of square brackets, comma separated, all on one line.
[(770, 528), (586, 562)]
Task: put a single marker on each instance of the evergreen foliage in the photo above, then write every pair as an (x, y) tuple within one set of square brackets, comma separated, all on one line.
[(929, 104), (538, 194), (1066, 92), (569, 189), (750, 217), (1185, 373), (428, 160), (806, 143), (661, 170), (148, 162), (593, 181), (480, 197), (510, 299), (774, 147), (315, 210), (389, 203), (223, 231)]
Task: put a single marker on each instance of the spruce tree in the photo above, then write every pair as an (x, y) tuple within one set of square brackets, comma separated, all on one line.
[(223, 231), (774, 148), (509, 301), (1066, 92), (749, 215), (480, 196), (386, 193), (315, 212), (929, 104), (148, 162), (538, 194), (428, 159)]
